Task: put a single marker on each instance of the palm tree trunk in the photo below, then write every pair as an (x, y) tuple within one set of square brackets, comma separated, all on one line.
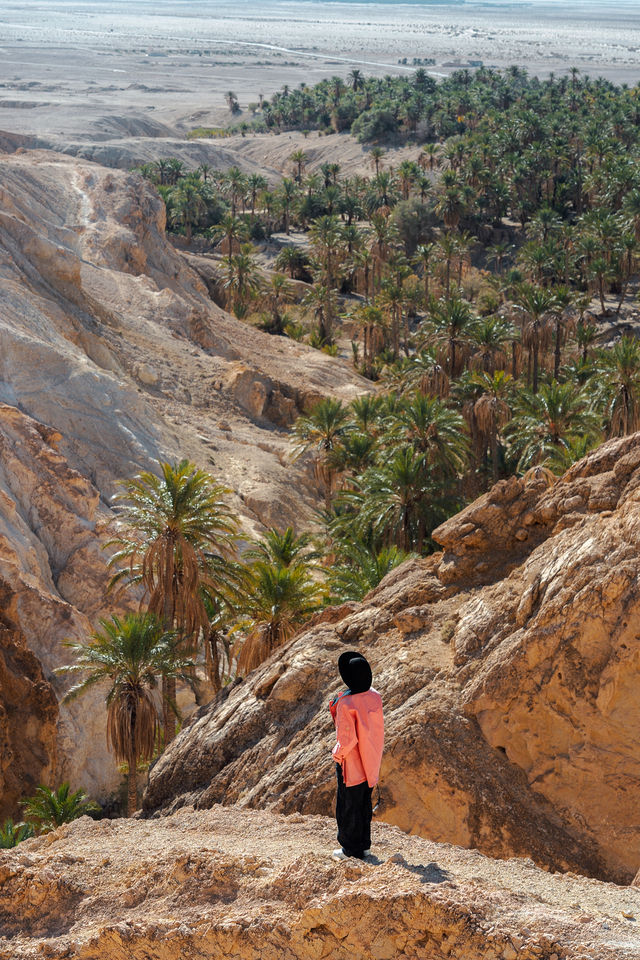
[(556, 364), (132, 788), (396, 334), (601, 293), (494, 451), (534, 386), (168, 683)]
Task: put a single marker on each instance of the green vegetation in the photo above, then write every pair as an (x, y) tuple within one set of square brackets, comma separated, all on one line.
[(470, 278), (11, 834), (49, 809), (175, 540), (129, 654)]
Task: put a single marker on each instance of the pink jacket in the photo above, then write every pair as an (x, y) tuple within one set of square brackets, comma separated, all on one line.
[(360, 736)]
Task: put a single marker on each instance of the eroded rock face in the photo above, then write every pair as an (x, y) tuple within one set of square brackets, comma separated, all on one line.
[(28, 717), (508, 667), (53, 575), (228, 882), (112, 356)]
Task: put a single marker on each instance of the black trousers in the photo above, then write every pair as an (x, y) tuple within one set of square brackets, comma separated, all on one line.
[(353, 813)]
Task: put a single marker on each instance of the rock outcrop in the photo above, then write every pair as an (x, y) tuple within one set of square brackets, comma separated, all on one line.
[(112, 355), (28, 718), (52, 578), (509, 667), (253, 885)]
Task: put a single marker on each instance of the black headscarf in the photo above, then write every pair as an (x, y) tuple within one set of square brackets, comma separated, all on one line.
[(355, 671)]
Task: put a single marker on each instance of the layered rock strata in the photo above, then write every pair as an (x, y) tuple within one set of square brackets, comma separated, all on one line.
[(508, 665)]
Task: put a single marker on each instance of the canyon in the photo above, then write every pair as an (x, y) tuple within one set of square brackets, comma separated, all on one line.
[(507, 660), (113, 356)]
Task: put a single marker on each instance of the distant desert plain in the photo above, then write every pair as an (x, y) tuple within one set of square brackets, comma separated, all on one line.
[(103, 72)]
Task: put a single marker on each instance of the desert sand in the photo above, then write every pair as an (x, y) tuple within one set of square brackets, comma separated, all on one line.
[(100, 71)]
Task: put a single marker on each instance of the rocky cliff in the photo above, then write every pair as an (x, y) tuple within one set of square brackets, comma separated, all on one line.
[(111, 356), (509, 667), (28, 717), (253, 885)]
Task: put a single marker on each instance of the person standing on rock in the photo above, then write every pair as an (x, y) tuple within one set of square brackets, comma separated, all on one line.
[(357, 714)]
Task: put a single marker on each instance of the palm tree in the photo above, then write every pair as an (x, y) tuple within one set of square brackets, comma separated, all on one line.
[(366, 410), (376, 154), (421, 372), (425, 258), (237, 185), (128, 654), (175, 170), (232, 101), (536, 332), (451, 206), (451, 322), (435, 432), (490, 336), (492, 411), (408, 172), (497, 254), (48, 809), (586, 336), (188, 206), (277, 600), (356, 80), (282, 548), (291, 259), (11, 834), (391, 299), (277, 292), (620, 386), (360, 567), (327, 240), (322, 300), (300, 159), (549, 421), (319, 432), (355, 452), (256, 183), (232, 229), (447, 244), (563, 299), (242, 279), (394, 499), (286, 196), (430, 156), (175, 532), (372, 322)]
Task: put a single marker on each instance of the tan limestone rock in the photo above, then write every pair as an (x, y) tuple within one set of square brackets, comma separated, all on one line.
[(509, 672), (28, 717), (254, 885), (113, 356)]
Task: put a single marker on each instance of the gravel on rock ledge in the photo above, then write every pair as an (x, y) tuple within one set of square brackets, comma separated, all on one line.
[(246, 883)]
